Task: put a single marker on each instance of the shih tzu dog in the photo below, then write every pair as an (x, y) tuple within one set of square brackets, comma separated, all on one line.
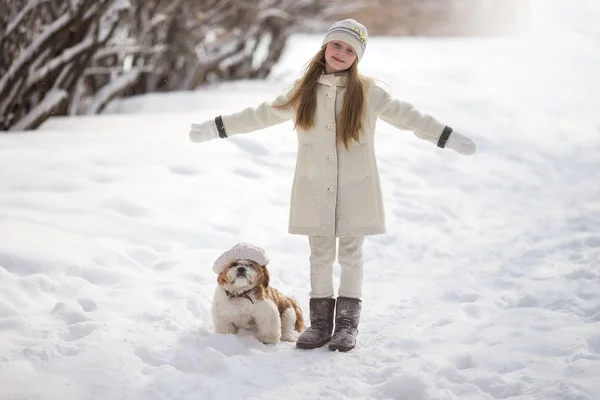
[(245, 300)]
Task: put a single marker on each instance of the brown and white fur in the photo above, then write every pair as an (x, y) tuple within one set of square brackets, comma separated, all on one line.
[(244, 300)]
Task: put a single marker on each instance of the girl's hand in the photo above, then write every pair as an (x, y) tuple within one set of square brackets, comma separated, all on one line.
[(203, 132), (461, 144)]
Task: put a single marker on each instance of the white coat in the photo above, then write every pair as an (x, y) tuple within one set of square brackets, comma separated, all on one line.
[(336, 192)]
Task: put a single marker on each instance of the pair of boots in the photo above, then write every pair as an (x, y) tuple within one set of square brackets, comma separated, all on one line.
[(347, 315)]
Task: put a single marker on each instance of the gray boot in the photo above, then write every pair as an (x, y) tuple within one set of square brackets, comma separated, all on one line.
[(321, 324), (347, 315)]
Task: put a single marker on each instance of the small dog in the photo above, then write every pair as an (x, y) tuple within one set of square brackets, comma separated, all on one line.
[(244, 300)]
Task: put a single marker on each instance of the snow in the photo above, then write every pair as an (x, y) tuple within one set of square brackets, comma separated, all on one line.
[(486, 285)]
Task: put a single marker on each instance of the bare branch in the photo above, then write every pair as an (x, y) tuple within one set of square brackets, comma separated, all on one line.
[(42, 111), (109, 92)]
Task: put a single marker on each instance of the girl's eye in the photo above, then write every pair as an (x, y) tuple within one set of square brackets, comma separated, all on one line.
[(350, 51), (336, 45)]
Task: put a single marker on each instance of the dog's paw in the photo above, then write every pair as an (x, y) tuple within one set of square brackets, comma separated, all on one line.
[(269, 338), (290, 336)]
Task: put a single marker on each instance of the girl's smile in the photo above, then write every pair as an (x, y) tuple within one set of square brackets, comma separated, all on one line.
[(339, 56)]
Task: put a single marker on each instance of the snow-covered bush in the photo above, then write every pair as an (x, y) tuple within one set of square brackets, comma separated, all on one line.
[(60, 57)]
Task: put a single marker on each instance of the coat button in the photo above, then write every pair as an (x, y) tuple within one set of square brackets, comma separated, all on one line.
[(329, 94), (330, 125), (331, 188), (331, 158)]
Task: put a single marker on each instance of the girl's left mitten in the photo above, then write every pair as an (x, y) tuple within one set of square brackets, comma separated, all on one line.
[(461, 144)]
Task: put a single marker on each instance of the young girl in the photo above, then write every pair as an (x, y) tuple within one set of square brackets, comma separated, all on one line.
[(336, 191)]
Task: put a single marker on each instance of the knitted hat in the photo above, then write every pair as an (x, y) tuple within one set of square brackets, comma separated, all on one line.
[(241, 251), (351, 32)]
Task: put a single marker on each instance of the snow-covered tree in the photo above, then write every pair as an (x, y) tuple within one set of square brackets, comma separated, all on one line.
[(60, 57), (45, 46)]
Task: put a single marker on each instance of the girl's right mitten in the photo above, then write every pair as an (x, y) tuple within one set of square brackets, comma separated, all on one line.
[(203, 132)]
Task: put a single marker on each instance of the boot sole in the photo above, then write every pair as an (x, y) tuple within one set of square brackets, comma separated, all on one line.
[(334, 347), (310, 346)]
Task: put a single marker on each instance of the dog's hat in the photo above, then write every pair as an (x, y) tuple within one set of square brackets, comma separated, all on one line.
[(241, 251)]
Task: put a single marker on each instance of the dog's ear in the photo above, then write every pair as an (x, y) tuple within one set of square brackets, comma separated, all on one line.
[(265, 276), (222, 278)]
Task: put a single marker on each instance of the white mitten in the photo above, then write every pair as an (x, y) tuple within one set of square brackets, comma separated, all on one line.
[(204, 131), (461, 144)]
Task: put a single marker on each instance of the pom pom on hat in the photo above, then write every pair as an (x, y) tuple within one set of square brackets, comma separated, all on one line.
[(349, 31), (241, 251)]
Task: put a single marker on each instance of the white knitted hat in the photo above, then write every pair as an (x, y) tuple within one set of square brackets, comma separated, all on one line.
[(241, 251), (349, 31)]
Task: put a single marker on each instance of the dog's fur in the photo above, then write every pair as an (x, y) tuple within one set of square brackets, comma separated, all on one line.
[(244, 300)]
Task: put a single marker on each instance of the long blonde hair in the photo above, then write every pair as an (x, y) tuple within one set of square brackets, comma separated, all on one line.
[(304, 100)]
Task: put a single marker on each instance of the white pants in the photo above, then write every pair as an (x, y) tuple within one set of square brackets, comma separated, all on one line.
[(322, 257)]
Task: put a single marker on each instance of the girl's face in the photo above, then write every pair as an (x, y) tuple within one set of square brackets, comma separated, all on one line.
[(339, 56)]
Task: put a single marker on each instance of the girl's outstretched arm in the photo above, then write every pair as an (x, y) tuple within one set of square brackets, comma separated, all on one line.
[(248, 120), (405, 116)]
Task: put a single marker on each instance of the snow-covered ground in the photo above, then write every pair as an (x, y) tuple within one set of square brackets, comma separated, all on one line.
[(486, 286)]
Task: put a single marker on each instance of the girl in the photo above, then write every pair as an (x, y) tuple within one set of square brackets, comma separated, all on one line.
[(336, 192)]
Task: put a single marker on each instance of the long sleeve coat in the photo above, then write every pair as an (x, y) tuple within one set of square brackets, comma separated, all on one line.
[(336, 191)]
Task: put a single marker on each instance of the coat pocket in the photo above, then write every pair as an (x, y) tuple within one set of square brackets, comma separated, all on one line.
[(367, 161)]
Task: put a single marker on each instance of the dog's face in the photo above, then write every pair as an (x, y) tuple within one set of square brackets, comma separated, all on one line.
[(243, 275)]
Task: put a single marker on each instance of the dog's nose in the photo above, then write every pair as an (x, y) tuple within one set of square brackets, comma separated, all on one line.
[(241, 271)]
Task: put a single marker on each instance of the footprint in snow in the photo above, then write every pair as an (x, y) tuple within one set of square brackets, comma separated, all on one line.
[(78, 331), (183, 170), (87, 304)]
